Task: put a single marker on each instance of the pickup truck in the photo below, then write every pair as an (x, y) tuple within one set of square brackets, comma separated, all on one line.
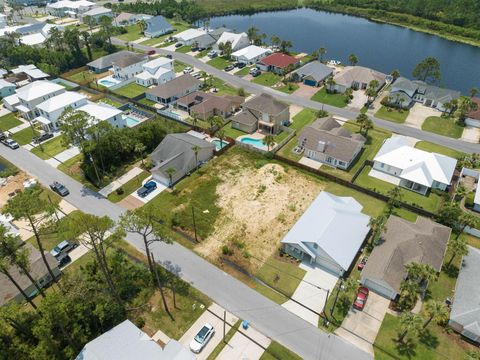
[(146, 189)]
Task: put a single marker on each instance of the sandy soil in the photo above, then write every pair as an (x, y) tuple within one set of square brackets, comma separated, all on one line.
[(12, 184), (259, 206)]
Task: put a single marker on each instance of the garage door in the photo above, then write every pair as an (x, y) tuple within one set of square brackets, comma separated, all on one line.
[(380, 289), (310, 83)]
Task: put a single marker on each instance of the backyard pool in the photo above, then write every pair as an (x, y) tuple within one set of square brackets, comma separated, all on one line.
[(130, 121), (254, 142), (219, 144), (106, 83), (109, 81)]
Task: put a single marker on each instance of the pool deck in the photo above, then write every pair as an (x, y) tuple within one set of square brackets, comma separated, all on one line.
[(255, 136)]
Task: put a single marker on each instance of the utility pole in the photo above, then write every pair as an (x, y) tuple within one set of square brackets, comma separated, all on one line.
[(336, 298), (194, 224)]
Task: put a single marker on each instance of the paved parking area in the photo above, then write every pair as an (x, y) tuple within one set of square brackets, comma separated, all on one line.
[(359, 100), (146, 199), (311, 292), (361, 327), (216, 322), (471, 134), (240, 347), (418, 114)]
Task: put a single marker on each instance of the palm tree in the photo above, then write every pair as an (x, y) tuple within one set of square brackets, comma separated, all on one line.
[(330, 83), (226, 49), (395, 74), (348, 94), (268, 141), (196, 149), (276, 41), (377, 225), (252, 34), (467, 220), (361, 120), (409, 323), (466, 105), (353, 59), (395, 194), (367, 126), (473, 92), (285, 46), (435, 311), (140, 150), (221, 135), (142, 24), (457, 247), (322, 51), (170, 172)]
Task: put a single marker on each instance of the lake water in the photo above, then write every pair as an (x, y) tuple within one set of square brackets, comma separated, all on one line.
[(380, 46)]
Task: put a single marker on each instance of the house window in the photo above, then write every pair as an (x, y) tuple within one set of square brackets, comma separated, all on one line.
[(315, 246), (382, 165)]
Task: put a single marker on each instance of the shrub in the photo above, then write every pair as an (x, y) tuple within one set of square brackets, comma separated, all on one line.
[(120, 191), (9, 171), (226, 250)]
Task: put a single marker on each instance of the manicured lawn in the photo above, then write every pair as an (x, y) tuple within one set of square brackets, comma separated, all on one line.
[(446, 126), (223, 88), (184, 49), (244, 71), (231, 132), (281, 136), (302, 119), (202, 54), (129, 187), (82, 76), (9, 121), (281, 274), (50, 148), (178, 66), (431, 202), (152, 41), (25, 136), (110, 102), (276, 351), (147, 102), (338, 100), (392, 115), (219, 62), (288, 89), (134, 32), (432, 147), (286, 150), (130, 90), (267, 79)]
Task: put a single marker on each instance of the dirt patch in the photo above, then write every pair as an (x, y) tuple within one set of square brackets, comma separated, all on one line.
[(12, 184), (258, 207)]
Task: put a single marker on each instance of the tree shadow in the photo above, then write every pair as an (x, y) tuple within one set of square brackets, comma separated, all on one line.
[(428, 339), (407, 348), (451, 271)]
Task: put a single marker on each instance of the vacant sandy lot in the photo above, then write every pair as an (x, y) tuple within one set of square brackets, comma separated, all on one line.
[(258, 207), (10, 185)]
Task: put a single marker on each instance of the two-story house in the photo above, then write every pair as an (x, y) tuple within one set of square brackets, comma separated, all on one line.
[(155, 72), (126, 67), (50, 110), (169, 92), (263, 113), (34, 94)]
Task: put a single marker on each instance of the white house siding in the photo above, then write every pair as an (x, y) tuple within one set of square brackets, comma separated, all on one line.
[(340, 88), (243, 127), (379, 287), (387, 168), (472, 122), (128, 72)]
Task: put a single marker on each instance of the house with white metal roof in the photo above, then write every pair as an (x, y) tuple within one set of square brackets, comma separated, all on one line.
[(189, 36), (251, 54), (238, 41), (155, 72), (414, 169), (33, 94), (330, 233), (6, 88), (69, 8), (104, 112), (32, 72), (50, 110), (96, 13)]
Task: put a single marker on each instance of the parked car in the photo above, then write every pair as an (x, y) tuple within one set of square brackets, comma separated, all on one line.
[(229, 68), (202, 338), (240, 65), (3, 136), (194, 48), (188, 70), (362, 296), (41, 138), (362, 263), (59, 189), (255, 72), (151, 52), (62, 248), (169, 56), (146, 189), (12, 144), (212, 54), (178, 45)]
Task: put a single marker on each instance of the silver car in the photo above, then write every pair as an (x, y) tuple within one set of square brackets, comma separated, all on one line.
[(202, 338)]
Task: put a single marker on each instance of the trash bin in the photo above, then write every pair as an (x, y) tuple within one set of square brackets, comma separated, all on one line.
[(245, 324)]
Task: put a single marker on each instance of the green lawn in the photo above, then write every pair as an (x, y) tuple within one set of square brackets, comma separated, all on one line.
[(432, 147), (338, 100), (446, 126), (130, 90), (82, 77), (219, 62), (184, 49), (231, 132), (289, 88), (9, 121), (223, 88), (202, 54), (25, 136), (152, 41), (229, 335), (110, 102), (267, 79), (276, 351), (244, 71), (281, 273), (431, 202), (50, 148), (129, 187), (179, 66), (71, 167), (392, 115), (134, 32), (147, 102), (303, 118)]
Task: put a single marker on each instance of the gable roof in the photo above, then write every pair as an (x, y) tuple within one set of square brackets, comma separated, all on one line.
[(129, 59), (359, 74), (466, 307), (174, 87), (157, 23), (337, 141), (232, 37), (416, 165), (6, 84), (61, 101), (108, 60), (97, 11), (279, 60), (251, 52), (336, 224), (314, 69), (435, 93), (404, 242), (127, 342), (189, 34), (37, 89), (266, 103)]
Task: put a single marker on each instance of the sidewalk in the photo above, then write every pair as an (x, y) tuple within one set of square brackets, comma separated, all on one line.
[(114, 185), (19, 127)]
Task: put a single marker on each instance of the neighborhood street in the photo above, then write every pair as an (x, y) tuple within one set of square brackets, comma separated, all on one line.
[(293, 99), (266, 316)]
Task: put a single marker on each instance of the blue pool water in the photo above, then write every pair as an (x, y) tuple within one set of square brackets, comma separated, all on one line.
[(219, 145), (131, 122), (106, 83), (254, 142)]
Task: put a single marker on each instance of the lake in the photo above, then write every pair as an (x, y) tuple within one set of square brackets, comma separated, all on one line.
[(380, 46)]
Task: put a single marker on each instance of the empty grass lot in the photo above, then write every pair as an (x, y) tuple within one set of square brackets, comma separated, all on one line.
[(392, 115), (446, 126), (50, 148), (338, 100), (267, 79), (25, 136), (432, 147), (130, 90), (9, 121), (134, 32), (129, 187), (219, 62)]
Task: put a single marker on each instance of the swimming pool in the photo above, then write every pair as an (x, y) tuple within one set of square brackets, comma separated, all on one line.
[(219, 145), (131, 122), (107, 83), (254, 142)]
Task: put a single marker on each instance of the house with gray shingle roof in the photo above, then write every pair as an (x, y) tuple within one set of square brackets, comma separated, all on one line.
[(405, 93), (326, 141), (171, 91), (404, 242), (126, 67), (465, 314), (312, 73), (157, 26), (104, 63), (357, 78)]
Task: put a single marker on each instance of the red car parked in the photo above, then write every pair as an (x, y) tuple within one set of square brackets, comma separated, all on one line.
[(362, 296)]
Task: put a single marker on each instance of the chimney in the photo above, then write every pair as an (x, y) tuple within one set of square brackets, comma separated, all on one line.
[(321, 146)]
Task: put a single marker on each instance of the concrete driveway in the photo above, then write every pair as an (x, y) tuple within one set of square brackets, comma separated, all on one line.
[(471, 134), (240, 347), (306, 91), (418, 114), (216, 322), (311, 292), (359, 100), (361, 327)]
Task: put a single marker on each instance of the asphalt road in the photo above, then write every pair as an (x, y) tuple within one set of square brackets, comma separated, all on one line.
[(253, 88), (266, 316)]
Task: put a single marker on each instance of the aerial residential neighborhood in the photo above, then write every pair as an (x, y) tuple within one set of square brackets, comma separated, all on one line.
[(210, 180)]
